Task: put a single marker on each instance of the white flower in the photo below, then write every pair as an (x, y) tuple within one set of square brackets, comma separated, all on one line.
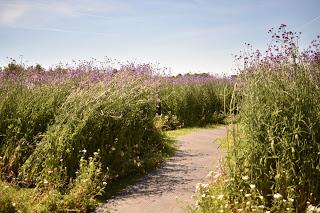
[(247, 195), (261, 207), (95, 153), (252, 186), (245, 178), (45, 181), (104, 183), (204, 195), (277, 196), (205, 185), (291, 200), (84, 151), (248, 203), (220, 197), (311, 208)]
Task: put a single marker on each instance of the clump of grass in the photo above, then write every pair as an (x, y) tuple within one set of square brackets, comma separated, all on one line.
[(275, 165)]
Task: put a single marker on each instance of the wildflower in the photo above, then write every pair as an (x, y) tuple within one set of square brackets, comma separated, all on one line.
[(203, 196), (284, 200), (277, 196), (95, 153), (50, 172), (84, 151), (261, 197), (45, 181), (213, 197), (245, 178), (13, 204), (261, 207), (248, 203), (220, 197), (291, 200), (311, 208), (205, 185), (247, 195), (240, 210), (104, 183), (252, 186)]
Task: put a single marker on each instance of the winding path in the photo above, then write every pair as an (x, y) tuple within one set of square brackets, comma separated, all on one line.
[(170, 187)]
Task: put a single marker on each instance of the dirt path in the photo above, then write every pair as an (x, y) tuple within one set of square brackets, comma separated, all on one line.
[(168, 188)]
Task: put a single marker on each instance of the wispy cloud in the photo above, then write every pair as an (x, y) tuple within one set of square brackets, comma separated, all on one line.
[(11, 12)]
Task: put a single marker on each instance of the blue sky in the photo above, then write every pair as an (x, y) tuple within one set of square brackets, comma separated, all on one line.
[(184, 35)]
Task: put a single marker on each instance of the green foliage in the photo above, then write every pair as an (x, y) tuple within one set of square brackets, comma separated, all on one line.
[(280, 116), (196, 104), (273, 161), (167, 122), (50, 134), (68, 135)]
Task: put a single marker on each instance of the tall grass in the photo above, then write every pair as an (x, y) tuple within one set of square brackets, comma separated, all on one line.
[(196, 100), (275, 164), (67, 134)]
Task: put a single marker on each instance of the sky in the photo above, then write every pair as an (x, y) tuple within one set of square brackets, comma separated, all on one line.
[(183, 35)]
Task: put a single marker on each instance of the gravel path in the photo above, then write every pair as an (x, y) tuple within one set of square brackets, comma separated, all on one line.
[(170, 187)]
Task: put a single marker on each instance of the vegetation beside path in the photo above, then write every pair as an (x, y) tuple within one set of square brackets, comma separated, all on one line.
[(273, 161), (67, 135)]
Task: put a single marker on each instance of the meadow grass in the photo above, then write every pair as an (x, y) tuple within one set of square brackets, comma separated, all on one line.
[(70, 136), (273, 161)]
